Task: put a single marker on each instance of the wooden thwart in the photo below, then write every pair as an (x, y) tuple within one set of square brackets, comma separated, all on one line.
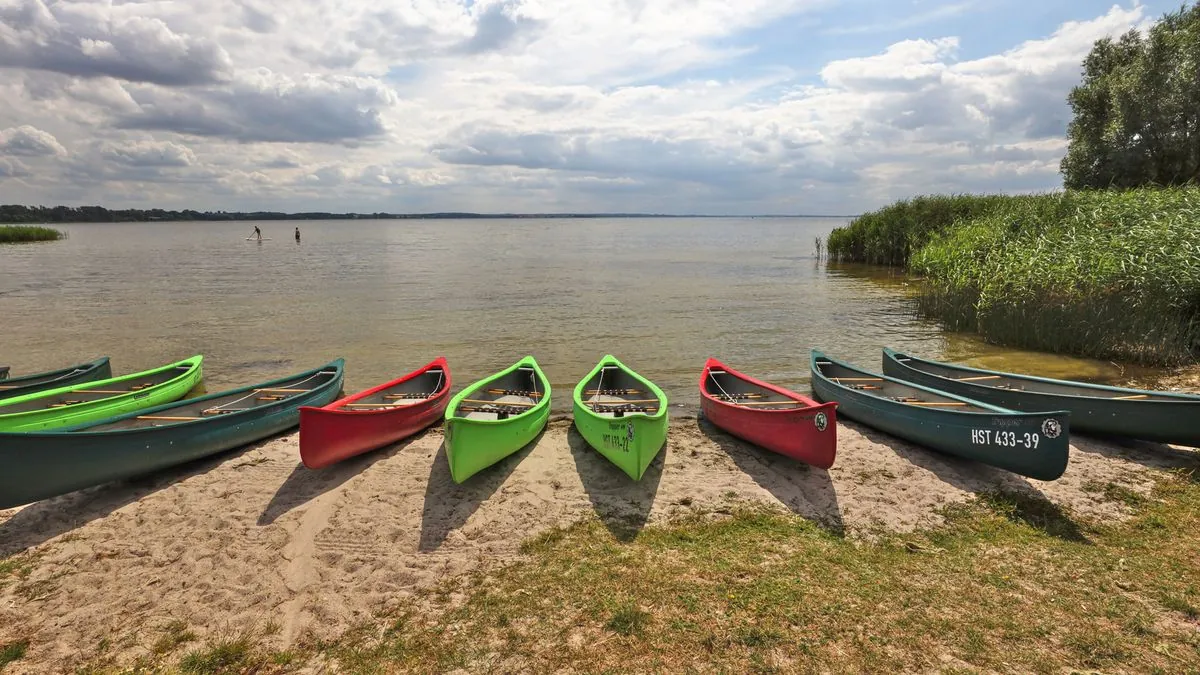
[(856, 379), (102, 391), (371, 405), (516, 392), (285, 391), (623, 402), (613, 392), (1130, 398), (759, 403), (516, 404), (167, 418), (977, 378)]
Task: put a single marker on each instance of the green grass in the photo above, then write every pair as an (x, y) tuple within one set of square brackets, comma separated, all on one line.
[(1010, 582), (1105, 274), (13, 651), (175, 634), (12, 234)]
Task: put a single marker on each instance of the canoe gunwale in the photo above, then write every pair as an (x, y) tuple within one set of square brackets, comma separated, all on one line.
[(610, 361), (805, 402), (338, 407), (532, 411), (81, 430), (1177, 397)]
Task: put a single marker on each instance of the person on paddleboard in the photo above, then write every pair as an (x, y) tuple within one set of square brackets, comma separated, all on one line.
[(258, 233), (297, 235)]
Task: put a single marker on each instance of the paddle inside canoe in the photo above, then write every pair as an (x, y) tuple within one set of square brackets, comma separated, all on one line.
[(622, 415), (495, 417), (94, 401)]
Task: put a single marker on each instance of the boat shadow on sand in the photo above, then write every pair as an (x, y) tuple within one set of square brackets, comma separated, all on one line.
[(621, 503), (305, 484), (42, 521), (806, 490), (1152, 455), (448, 505), (1010, 494)]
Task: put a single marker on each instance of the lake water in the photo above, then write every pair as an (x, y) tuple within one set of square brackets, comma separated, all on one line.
[(390, 295)]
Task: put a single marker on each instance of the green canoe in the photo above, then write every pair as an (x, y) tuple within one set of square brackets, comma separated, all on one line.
[(494, 417), (94, 401), (40, 465), (622, 415), (55, 379)]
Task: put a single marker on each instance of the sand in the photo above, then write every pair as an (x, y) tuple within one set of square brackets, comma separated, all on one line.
[(253, 537)]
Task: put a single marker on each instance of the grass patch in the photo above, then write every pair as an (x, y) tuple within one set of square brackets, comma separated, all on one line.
[(13, 651), (1010, 582), (628, 620), (175, 634), (15, 234), (1105, 274), (233, 655)]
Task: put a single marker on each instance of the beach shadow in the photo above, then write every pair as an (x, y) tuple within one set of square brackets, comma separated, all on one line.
[(1150, 454), (42, 521), (1008, 493), (621, 503), (304, 484), (448, 505), (806, 490)]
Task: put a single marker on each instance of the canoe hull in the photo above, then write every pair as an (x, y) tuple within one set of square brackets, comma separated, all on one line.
[(1030, 444), (47, 419), (632, 441), (100, 369), (808, 434), (333, 433), (1173, 421), (473, 445), (40, 465)]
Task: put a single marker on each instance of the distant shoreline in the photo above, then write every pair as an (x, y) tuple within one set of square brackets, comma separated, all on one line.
[(17, 214)]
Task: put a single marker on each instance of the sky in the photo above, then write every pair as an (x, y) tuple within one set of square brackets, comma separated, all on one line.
[(662, 106)]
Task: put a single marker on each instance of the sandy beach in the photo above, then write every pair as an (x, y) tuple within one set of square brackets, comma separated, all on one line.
[(253, 538)]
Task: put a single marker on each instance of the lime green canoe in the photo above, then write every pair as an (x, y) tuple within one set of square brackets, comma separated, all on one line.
[(495, 417), (622, 415), (95, 401)]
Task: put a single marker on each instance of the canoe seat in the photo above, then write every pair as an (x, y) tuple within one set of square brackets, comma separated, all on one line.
[(270, 398), (409, 395)]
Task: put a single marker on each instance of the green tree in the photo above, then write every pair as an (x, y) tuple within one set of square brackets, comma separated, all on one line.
[(1137, 113)]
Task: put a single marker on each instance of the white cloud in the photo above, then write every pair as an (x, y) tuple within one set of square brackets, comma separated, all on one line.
[(30, 142), (513, 105)]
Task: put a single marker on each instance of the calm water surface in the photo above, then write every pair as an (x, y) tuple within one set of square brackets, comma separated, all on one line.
[(660, 294)]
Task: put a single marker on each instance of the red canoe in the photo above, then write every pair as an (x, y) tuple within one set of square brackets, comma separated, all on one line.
[(374, 418), (773, 417)]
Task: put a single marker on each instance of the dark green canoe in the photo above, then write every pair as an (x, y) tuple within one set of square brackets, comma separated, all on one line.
[(29, 384), (1027, 443), (1131, 413), (40, 465)]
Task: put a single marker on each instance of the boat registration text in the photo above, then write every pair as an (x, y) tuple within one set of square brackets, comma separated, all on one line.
[(1006, 439)]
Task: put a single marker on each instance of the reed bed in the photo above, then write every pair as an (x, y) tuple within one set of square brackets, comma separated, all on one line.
[(13, 234), (1107, 274)]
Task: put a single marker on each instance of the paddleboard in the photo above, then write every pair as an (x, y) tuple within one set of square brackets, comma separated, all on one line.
[(257, 239)]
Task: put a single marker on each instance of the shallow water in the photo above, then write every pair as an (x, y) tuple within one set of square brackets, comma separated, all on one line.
[(390, 295)]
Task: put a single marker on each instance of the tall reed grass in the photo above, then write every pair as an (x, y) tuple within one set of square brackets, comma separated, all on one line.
[(1108, 274), (11, 234)]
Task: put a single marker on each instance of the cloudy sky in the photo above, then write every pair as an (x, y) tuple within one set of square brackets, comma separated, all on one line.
[(672, 106)]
